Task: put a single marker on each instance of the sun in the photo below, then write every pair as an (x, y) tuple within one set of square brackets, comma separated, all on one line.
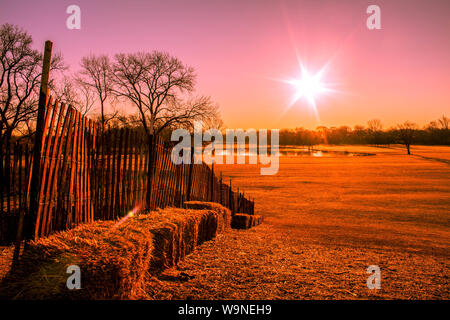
[(309, 87)]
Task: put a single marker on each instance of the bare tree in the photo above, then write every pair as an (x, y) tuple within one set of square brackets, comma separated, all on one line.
[(406, 132), (20, 75), (127, 120), (444, 123), (374, 125), (183, 113), (96, 74), (433, 125), (154, 82), (65, 91), (77, 94), (374, 128), (86, 99), (214, 121)]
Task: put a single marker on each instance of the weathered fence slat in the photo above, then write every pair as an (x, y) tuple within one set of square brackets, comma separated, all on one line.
[(54, 167)]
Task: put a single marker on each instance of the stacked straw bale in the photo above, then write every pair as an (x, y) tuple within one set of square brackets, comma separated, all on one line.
[(224, 213), (245, 221), (255, 220), (115, 258), (180, 234)]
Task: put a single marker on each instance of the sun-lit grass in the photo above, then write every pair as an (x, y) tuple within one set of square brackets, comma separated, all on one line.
[(325, 221)]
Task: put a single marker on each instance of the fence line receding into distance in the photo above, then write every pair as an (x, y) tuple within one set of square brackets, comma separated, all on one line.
[(86, 175)]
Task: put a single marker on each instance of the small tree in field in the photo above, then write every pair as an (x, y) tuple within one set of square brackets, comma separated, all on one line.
[(444, 123), (374, 131), (406, 133)]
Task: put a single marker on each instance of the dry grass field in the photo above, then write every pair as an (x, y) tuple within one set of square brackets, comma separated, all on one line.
[(326, 220)]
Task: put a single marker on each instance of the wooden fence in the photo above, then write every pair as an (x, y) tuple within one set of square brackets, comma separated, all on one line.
[(15, 164), (86, 175), (172, 184)]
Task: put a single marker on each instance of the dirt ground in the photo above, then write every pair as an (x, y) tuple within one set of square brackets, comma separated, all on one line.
[(326, 220)]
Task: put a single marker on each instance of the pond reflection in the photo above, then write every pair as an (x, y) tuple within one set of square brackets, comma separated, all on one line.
[(304, 152), (291, 151)]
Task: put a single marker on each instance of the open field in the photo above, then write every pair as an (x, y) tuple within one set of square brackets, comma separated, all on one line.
[(326, 220)]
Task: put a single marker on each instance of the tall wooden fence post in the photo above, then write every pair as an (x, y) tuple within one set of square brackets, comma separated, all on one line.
[(230, 199), (151, 160), (220, 189), (253, 206), (178, 201), (212, 181), (191, 167), (238, 204), (36, 174)]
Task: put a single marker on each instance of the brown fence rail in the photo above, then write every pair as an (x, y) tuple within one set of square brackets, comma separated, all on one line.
[(86, 175)]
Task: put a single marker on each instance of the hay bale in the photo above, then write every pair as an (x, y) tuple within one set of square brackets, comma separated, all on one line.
[(114, 258), (241, 221), (224, 213), (256, 220), (245, 221), (186, 229), (110, 258)]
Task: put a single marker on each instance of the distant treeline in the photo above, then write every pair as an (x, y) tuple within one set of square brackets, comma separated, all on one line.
[(435, 133)]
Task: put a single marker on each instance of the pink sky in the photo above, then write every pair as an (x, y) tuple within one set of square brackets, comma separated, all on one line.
[(238, 48)]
